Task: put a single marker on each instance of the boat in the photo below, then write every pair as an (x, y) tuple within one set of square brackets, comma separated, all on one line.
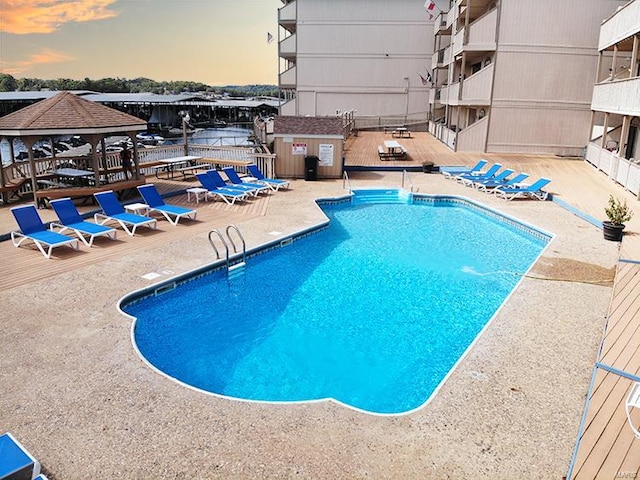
[(148, 138)]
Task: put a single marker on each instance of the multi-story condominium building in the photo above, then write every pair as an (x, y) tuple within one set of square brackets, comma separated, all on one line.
[(614, 145), (362, 55), (516, 75)]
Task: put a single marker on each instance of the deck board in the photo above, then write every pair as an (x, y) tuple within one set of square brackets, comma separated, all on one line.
[(607, 447)]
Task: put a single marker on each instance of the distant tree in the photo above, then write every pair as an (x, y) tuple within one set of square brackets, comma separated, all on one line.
[(136, 85), (7, 83)]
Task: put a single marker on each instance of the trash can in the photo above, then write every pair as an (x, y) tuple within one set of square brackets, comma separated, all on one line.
[(311, 168)]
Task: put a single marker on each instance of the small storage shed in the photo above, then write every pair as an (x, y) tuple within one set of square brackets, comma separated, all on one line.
[(298, 139)]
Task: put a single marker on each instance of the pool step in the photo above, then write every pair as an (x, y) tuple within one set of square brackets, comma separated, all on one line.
[(392, 195)]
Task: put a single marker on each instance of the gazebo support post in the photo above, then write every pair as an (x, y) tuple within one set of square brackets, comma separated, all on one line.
[(94, 140), (136, 160), (29, 142), (5, 195)]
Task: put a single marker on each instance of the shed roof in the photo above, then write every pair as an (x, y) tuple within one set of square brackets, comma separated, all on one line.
[(292, 125), (66, 113)]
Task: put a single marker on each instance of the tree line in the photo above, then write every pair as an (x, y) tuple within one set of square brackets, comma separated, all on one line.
[(137, 85)]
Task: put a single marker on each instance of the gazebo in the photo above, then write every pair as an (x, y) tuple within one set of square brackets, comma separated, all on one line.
[(67, 114)]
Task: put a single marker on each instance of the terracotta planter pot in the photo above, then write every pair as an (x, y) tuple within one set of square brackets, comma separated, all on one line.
[(612, 231)]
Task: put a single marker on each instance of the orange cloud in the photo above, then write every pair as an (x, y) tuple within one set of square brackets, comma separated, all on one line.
[(39, 58), (46, 16)]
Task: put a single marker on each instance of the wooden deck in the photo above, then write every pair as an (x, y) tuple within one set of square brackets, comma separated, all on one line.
[(20, 269), (606, 447)]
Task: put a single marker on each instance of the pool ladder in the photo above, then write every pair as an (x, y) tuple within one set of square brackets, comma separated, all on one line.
[(227, 239)]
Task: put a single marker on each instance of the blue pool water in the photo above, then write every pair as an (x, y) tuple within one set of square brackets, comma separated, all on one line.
[(372, 311)]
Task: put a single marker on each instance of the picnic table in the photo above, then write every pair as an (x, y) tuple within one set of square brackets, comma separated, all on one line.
[(392, 150), (186, 165), (73, 176), (401, 132)]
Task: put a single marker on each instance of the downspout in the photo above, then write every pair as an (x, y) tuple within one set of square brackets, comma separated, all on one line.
[(493, 78)]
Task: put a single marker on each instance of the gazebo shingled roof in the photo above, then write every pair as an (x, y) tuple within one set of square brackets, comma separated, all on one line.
[(66, 114)]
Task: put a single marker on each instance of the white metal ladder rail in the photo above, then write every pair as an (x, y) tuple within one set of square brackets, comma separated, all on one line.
[(405, 175), (346, 181), (227, 239)]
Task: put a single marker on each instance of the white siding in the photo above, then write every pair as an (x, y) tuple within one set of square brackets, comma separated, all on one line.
[(364, 55)]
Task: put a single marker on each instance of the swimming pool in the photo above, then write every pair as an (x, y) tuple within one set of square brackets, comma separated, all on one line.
[(372, 311)]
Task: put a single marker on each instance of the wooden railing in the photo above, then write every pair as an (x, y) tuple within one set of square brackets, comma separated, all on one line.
[(147, 157)]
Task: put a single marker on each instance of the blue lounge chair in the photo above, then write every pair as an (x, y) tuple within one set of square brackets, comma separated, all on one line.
[(70, 219), (493, 170), (451, 172), (529, 191), (273, 183), (498, 177), (112, 210), (491, 185), (173, 213), (15, 460), (226, 194), (32, 228), (235, 179), (220, 183)]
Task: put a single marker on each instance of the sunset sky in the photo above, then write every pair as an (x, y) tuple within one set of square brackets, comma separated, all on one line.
[(216, 42)]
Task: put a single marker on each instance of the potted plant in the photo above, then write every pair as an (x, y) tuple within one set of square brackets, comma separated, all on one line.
[(617, 214), (427, 166)]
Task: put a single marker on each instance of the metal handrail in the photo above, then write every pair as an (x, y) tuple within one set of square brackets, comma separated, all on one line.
[(215, 249), (226, 242), (244, 245), (346, 181), (407, 177)]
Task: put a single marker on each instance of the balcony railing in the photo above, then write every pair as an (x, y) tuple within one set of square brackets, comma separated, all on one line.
[(476, 90), (622, 24), (288, 14), (440, 23), (454, 91), (473, 138), (446, 56), (482, 33), (617, 96), (288, 78), (288, 47), (451, 17), (622, 170), (458, 42), (444, 95)]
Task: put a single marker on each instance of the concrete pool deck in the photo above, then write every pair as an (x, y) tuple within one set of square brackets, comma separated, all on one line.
[(77, 396)]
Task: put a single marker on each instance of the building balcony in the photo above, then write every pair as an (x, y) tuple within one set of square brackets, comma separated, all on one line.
[(434, 97), (476, 90), (617, 96), (453, 93), (289, 108), (288, 47), (458, 42), (287, 17), (624, 23), (288, 78), (444, 94), (437, 60), (440, 24), (447, 58), (473, 138), (482, 32), (450, 18)]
